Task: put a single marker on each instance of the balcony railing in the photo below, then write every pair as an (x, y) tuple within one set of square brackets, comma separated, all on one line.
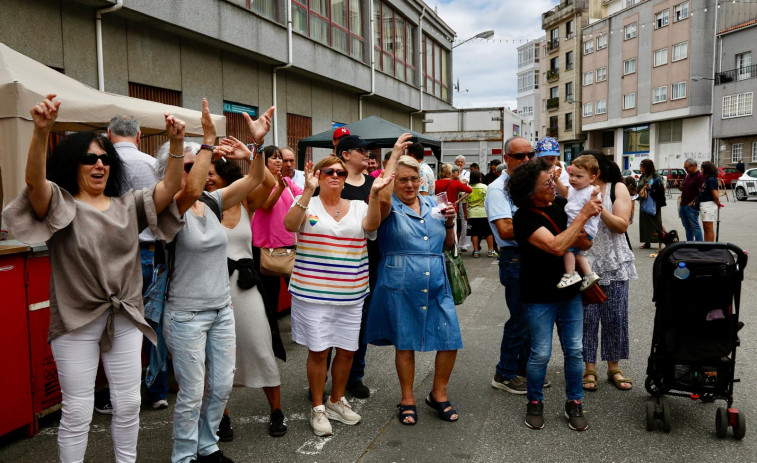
[(552, 131), (553, 74), (553, 44), (742, 73), (553, 103)]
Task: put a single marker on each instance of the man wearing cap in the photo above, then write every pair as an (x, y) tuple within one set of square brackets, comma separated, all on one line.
[(549, 149), (338, 134), (428, 179), (510, 373)]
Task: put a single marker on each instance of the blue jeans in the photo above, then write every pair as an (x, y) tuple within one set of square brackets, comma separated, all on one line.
[(690, 220), (203, 346), (157, 389), (568, 315), (516, 342)]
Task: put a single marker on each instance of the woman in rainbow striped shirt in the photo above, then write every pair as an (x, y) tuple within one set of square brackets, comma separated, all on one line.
[(330, 281)]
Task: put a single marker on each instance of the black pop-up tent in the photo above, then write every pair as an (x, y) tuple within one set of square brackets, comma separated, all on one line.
[(374, 129)]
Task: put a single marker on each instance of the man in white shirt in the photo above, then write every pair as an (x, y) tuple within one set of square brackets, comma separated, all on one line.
[(288, 163), (464, 173)]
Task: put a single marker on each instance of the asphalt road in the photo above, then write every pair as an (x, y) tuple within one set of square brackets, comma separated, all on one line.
[(491, 426)]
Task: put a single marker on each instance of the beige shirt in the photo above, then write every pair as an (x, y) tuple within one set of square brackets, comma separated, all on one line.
[(94, 255)]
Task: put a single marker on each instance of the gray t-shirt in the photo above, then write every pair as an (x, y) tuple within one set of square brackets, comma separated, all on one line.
[(200, 278)]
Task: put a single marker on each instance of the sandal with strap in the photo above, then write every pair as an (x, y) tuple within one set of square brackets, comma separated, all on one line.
[(618, 382), (587, 382), (440, 408), (407, 411)]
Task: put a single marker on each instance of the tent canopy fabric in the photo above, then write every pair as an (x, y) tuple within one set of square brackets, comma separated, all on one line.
[(24, 82), (373, 129)]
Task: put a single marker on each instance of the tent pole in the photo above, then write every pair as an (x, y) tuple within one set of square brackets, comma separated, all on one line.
[(99, 38)]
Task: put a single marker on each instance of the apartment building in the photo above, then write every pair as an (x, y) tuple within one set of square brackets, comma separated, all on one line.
[(645, 91), (560, 71), (735, 126), (529, 97), (342, 60)]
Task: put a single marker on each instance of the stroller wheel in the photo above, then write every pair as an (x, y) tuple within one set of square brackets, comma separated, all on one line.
[(650, 415), (666, 422), (739, 427), (652, 386), (721, 422)]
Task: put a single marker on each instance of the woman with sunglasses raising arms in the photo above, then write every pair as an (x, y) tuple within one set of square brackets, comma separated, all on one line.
[(72, 203), (330, 281)]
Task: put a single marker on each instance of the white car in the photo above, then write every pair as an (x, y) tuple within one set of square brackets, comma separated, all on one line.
[(746, 185)]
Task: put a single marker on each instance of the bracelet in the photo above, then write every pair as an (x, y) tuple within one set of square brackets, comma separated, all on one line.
[(449, 227), (176, 156), (300, 205), (207, 147)]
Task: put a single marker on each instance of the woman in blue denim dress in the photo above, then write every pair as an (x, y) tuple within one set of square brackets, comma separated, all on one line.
[(412, 307)]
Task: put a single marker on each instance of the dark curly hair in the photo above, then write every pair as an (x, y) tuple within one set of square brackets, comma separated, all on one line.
[(522, 183), (709, 169), (227, 170), (63, 165), (609, 171)]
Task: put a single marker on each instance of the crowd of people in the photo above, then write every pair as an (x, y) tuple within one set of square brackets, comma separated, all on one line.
[(191, 232)]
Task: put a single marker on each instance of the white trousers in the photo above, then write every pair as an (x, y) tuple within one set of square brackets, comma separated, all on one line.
[(76, 356)]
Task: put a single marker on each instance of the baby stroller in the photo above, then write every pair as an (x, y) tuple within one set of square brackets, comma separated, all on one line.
[(697, 288)]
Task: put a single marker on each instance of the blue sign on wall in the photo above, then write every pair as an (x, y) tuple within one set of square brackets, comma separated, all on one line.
[(229, 107)]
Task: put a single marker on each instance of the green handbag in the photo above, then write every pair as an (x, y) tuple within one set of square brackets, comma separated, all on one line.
[(458, 277)]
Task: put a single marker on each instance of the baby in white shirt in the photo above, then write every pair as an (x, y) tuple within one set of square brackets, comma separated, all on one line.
[(583, 174)]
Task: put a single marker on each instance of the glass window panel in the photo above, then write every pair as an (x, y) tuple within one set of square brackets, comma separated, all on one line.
[(444, 68), (387, 32), (399, 69), (356, 17), (388, 63), (410, 76), (320, 6), (410, 45), (339, 12), (399, 39), (377, 24), (338, 39), (356, 48), (319, 29), (429, 85), (377, 58), (437, 62), (444, 93), (429, 67), (266, 8), (299, 19)]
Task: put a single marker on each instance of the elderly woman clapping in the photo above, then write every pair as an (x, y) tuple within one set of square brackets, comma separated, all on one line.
[(412, 308), (72, 203)]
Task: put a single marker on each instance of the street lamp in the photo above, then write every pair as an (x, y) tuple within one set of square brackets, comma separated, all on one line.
[(481, 35), (697, 78)]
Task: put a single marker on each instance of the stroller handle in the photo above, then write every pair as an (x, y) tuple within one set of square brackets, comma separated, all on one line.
[(706, 245)]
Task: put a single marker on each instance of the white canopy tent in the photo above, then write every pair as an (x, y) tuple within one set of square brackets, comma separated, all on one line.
[(25, 82)]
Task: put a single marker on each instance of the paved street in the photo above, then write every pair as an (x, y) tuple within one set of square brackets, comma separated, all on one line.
[(491, 426)]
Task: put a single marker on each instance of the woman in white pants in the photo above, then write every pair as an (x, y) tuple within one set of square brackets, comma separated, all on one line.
[(73, 202)]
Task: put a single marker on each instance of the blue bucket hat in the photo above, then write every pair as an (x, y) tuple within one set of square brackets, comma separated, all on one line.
[(547, 146)]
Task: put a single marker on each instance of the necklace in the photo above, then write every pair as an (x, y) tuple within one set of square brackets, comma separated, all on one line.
[(336, 213)]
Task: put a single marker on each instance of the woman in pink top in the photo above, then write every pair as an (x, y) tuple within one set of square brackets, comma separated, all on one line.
[(268, 225)]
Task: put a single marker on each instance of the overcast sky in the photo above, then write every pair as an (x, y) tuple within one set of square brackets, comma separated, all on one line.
[(487, 69)]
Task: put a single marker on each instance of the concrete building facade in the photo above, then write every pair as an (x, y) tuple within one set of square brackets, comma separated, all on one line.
[(643, 95), (348, 59), (529, 96)]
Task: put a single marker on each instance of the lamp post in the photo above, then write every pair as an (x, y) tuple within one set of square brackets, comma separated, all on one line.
[(480, 35)]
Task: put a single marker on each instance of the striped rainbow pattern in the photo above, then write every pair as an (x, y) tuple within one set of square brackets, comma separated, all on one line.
[(330, 269)]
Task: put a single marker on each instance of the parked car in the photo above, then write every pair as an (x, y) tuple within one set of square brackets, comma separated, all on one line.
[(746, 185), (635, 173), (674, 177), (728, 174)]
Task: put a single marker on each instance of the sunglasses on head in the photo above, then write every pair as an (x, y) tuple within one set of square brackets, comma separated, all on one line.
[(90, 159), (329, 171), (522, 156), (188, 166)]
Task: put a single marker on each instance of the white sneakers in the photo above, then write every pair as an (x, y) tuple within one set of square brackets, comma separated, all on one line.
[(570, 279), (589, 281), (339, 411)]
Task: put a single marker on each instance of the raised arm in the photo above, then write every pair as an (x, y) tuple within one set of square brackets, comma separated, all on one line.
[(167, 188), (296, 215), (44, 115), (558, 245), (195, 182), (385, 195), (372, 218), (259, 194)]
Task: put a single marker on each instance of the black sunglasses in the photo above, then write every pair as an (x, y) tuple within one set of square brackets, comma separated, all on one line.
[(522, 156), (188, 166), (90, 159), (329, 171)]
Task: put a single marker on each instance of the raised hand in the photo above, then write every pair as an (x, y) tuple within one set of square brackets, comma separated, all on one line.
[(280, 180), (260, 127), (208, 125), (45, 113), (401, 144), (311, 178), (380, 183), (174, 128), (236, 149)]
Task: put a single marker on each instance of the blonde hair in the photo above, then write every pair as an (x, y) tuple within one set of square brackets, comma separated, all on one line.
[(445, 170), (588, 163), (409, 161), (328, 161)]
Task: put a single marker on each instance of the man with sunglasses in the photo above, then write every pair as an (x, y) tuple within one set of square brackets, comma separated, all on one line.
[(510, 373)]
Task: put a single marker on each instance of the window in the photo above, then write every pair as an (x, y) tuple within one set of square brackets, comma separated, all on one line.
[(569, 91), (737, 152), (737, 105), (660, 94), (661, 19), (554, 92), (601, 107), (588, 78), (601, 42), (588, 109), (569, 29), (394, 44), (744, 65), (636, 139), (602, 74), (678, 91), (588, 47), (435, 69), (670, 131), (161, 95), (629, 66), (265, 8), (527, 81), (681, 11), (569, 61), (661, 57), (554, 39), (554, 63), (334, 23), (630, 31), (629, 101), (754, 151), (568, 121), (680, 51), (527, 55)]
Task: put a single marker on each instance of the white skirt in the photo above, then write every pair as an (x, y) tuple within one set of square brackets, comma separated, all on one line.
[(320, 326)]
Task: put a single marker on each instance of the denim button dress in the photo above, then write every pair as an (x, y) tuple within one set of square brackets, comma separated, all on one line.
[(412, 306)]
